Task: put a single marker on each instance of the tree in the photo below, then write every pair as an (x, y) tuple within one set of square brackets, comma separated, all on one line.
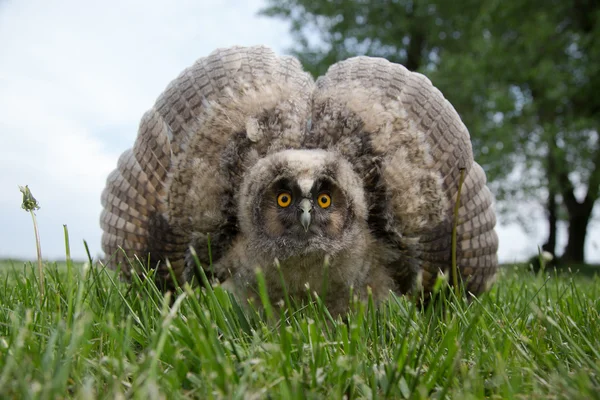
[(543, 56), (523, 75)]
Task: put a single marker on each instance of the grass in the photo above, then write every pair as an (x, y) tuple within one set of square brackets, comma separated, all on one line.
[(92, 336)]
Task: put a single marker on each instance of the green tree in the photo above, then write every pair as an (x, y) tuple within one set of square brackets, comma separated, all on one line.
[(524, 76)]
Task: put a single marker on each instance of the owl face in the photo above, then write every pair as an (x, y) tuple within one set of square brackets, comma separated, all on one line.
[(304, 208), (301, 201)]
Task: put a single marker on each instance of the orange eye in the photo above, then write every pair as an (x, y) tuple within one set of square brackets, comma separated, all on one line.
[(324, 200), (284, 199)]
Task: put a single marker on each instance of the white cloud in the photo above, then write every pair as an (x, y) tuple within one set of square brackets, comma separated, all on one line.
[(75, 78)]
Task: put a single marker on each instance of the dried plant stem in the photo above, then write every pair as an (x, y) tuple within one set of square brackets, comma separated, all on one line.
[(30, 204), (454, 229), (39, 253)]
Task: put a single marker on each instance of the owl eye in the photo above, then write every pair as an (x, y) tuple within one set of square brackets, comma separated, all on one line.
[(324, 200), (284, 199)]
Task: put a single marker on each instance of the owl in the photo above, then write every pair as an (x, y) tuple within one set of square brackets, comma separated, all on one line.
[(345, 185)]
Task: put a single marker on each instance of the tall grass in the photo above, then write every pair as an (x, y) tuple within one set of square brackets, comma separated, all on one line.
[(93, 336)]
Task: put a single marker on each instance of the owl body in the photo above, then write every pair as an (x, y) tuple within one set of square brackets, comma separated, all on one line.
[(336, 186)]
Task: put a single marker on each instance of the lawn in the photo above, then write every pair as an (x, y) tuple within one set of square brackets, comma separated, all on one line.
[(91, 336)]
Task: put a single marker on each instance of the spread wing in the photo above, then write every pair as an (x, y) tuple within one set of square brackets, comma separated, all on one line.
[(178, 182), (410, 146)]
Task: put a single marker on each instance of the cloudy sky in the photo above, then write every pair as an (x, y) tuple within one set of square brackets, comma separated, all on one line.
[(76, 76)]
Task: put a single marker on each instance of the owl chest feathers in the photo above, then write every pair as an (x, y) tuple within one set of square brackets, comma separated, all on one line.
[(301, 276)]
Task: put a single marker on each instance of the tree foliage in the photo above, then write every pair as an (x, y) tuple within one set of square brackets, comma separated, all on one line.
[(523, 75)]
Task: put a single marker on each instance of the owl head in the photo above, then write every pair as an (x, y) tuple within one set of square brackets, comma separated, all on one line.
[(297, 202)]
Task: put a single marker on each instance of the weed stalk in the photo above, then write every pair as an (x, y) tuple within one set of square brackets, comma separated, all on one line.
[(30, 204), (454, 229)]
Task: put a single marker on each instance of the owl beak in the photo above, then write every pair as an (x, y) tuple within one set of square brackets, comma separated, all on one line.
[(305, 208)]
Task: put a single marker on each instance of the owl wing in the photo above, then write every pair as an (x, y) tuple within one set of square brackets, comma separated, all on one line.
[(409, 145), (178, 182)]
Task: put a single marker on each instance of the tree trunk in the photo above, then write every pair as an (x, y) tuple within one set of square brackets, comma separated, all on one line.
[(414, 52), (550, 245), (578, 223), (552, 212)]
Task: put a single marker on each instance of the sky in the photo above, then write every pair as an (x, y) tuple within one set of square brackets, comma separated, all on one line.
[(76, 77)]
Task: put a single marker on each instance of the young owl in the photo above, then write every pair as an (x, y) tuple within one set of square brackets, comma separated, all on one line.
[(341, 185)]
